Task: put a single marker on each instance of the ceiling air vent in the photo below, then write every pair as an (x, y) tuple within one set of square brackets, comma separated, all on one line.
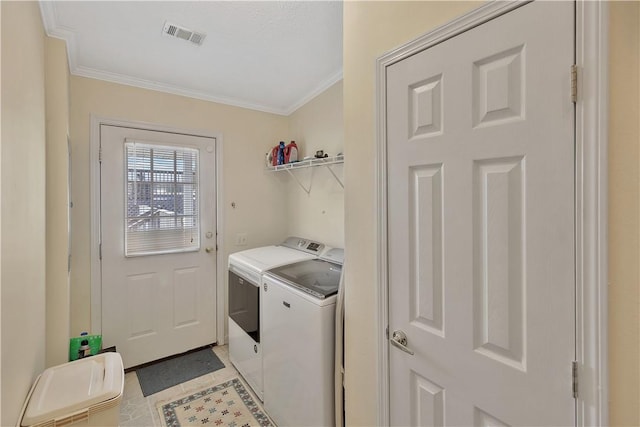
[(174, 30)]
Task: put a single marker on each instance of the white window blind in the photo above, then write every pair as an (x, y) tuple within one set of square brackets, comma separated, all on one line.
[(162, 199)]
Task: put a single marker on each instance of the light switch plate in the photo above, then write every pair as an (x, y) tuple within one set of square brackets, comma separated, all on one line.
[(241, 239)]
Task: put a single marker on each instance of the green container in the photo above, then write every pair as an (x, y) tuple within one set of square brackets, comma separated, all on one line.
[(84, 346)]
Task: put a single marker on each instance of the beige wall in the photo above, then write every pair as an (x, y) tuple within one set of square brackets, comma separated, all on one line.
[(370, 30), (373, 28), (57, 202), (318, 125), (260, 203), (624, 214), (23, 203)]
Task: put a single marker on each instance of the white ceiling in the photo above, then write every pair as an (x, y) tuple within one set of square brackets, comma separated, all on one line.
[(270, 56)]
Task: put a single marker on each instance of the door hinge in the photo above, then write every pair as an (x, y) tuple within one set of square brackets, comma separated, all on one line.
[(100, 154), (574, 83), (100, 251), (574, 375)]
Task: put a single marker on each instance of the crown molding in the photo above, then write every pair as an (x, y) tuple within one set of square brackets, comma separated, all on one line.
[(175, 90), (317, 91), (51, 27), (48, 14)]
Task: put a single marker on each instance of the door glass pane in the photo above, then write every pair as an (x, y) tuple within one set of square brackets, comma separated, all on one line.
[(162, 206)]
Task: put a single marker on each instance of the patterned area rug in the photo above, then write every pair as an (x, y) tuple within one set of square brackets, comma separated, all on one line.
[(227, 404)]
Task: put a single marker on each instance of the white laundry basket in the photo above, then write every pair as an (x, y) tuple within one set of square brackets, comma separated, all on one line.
[(85, 392)]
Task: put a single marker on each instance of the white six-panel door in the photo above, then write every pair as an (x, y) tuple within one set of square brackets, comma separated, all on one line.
[(158, 305), (480, 154)]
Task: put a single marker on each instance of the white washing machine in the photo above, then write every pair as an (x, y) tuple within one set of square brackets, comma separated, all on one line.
[(299, 302), (245, 306)]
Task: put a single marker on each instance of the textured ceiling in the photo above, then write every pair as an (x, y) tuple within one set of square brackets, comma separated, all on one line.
[(266, 55)]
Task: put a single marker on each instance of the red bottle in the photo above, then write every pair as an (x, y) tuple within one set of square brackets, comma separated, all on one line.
[(291, 152)]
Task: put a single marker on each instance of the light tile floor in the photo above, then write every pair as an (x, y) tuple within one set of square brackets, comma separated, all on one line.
[(140, 411)]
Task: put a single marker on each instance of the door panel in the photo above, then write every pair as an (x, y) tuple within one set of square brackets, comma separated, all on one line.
[(427, 402), (481, 224), (498, 283), (140, 299), (425, 222), (157, 305), (185, 296)]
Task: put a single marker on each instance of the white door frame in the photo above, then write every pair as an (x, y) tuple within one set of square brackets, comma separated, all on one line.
[(96, 277), (592, 107)]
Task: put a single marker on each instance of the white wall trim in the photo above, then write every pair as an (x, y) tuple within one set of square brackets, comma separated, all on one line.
[(94, 178), (591, 199), (221, 260), (592, 109), (96, 279)]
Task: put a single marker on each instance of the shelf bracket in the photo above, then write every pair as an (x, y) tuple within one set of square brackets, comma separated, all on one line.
[(335, 176), (306, 190), (310, 164)]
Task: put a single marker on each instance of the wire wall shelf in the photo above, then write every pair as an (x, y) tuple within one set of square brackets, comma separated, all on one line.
[(327, 162)]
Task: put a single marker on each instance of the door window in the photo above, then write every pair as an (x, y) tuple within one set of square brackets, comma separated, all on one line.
[(162, 206)]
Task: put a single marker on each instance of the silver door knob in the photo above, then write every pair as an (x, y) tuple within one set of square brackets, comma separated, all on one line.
[(208, 249), (399, 339)]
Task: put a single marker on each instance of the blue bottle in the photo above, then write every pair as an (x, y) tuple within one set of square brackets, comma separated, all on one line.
[(281, 153)]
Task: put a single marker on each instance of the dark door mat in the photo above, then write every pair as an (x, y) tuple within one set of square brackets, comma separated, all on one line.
[(169, 372)]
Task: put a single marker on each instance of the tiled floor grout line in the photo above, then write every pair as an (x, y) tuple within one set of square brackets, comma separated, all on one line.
[(151, 408)]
